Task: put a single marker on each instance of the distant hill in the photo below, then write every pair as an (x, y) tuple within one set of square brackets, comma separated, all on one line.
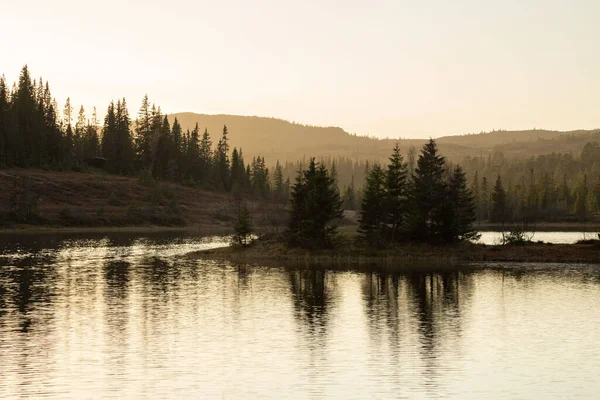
[(276, 139)]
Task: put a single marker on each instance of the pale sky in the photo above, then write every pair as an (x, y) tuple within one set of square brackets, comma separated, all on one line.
[(384, 68)]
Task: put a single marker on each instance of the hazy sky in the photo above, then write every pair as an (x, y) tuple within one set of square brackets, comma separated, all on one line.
[(385, 68)]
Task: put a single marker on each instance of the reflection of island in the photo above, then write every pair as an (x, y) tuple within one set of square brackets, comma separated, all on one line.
[(416, 312), (30, 281), (310, 298)]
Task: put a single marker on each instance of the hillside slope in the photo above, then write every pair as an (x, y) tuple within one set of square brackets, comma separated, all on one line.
[(101, 200), (276, 139)]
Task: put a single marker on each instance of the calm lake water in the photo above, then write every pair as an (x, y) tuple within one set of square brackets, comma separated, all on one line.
[(548, 237), (124, 316)]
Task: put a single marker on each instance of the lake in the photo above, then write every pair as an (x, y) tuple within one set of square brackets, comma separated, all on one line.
[(126, 316), (548, 237)]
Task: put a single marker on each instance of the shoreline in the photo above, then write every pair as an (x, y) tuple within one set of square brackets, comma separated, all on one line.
[(40, 229), (407, 254)]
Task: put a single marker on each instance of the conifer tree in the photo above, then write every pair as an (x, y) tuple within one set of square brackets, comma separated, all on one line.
[(238, 171), (581, 210), (164, 164), (429, 192), (4, 138), (222, 168), (499, 204), (278, 184), (349, 196), (178, 149), (206, 158), (315, 208), (373, 217), (143, 135), (459, 215), (397, 194), (193, 154)]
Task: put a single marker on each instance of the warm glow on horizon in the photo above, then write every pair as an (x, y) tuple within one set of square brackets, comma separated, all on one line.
[(382, 68)]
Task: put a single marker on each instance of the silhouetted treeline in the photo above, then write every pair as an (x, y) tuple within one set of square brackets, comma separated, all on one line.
[(431, 203), (551, 187), (34, 135)]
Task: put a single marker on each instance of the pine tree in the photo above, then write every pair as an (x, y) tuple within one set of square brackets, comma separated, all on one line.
[(260, 178), (580, 209), (499, 203), (315, 208), (143, 135), (349, 196), (178, 149), (221, 162), (373, 217), (429, 192), (205, 158), (243, 226), (238, 171), (165, 149), (278, 184), (4, 138), (476, 194), (459, 214), (193, 155), (397, 191), (79, 137), (596, 192), (484, 203)]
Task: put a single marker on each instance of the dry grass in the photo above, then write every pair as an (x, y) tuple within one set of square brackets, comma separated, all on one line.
[(407, 254), (73, 199)]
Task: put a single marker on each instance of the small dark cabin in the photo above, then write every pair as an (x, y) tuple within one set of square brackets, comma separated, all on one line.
[(96, 162)]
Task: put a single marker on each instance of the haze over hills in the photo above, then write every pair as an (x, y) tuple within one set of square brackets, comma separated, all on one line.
[(276, 139)]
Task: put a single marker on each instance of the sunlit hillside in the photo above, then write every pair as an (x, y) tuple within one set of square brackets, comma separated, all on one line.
[(286, 141)]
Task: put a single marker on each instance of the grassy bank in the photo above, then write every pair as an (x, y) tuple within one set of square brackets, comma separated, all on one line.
[(37, 200), (409, 253)]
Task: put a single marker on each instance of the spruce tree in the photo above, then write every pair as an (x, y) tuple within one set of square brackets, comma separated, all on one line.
[(349, 196), (580, 209), (459, 214), (373, 216), (278, 184), (4, 139), (315, 207), (499, 203), (143, 135), (238, 171), (222, 167), (429, 193), (205, 158), (164, 164), (397, 200)]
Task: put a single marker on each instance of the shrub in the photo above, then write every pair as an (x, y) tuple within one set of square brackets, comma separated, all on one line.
[(113, 200)]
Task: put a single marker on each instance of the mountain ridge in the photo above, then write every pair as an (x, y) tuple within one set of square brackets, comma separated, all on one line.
[(278, 139)]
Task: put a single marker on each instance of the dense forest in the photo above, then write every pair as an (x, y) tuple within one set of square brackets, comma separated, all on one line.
[(35, 134), (549, 187)]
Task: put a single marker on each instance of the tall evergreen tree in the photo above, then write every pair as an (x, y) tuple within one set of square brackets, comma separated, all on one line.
[(206, 165), (143, 135), (429, 192), (278, 184), (397, 194), (4, 138), (165, 151), (315, 208), (581, 209), (459, 215), (222, 167), (499, 204), (238, 171), (374, 216)]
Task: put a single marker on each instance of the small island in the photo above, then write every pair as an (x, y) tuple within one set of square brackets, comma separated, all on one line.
[(425, 218)]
